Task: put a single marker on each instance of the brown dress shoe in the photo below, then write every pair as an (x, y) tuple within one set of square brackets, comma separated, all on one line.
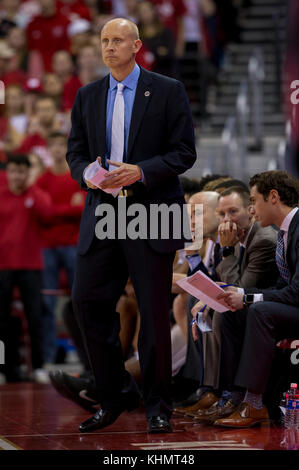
[(245, 416), (215, 412), (205, 402)]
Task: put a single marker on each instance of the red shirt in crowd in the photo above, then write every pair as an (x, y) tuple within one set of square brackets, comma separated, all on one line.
[(169, 12), (63, 227), (69, 92), (74, 10), (21, 218), (48, 35)]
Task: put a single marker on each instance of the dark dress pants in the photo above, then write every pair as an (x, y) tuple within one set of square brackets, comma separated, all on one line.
[(267, 323), (30, 284), (100, 279), (248, 342)]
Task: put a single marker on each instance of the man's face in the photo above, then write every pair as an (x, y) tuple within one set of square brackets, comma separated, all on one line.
[(57, 147), (231, 209), (45, 111), (119, 45), (202, 214), (263, 210), (17, 176)]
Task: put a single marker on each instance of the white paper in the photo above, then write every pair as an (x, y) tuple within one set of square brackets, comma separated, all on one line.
[(203, 288), (95, 175)]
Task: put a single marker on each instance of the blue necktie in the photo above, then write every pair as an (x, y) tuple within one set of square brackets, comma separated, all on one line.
[(280, 257)]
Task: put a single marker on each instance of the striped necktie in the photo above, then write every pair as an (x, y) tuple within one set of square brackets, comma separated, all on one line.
[(280, 257)]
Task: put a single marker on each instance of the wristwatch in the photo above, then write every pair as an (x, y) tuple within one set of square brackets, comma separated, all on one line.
[(228, 250), (248, 299)]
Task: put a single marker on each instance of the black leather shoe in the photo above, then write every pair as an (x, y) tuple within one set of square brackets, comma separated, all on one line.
[(79, 390), (104, 418), (100, 420), (157, 424)]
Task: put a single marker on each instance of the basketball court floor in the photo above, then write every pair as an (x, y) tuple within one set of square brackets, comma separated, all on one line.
[(35, 417)]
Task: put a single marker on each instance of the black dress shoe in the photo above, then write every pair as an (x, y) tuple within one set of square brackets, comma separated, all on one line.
[(100, 420), (79, 390), (104, 418), (157, 424)]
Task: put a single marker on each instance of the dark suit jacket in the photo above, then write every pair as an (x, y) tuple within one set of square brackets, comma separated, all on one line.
[(283, 292), (161, 142), (258, 267)]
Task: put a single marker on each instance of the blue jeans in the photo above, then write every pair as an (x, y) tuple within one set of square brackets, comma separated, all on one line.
[(54, 260)]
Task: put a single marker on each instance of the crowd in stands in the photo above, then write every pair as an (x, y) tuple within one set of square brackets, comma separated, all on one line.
[(48, 50)]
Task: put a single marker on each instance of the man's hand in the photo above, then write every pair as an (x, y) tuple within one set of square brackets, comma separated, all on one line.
[(227, 289), (197, 307), (124, 175), (228, 234), (90, 185), (233, 300)]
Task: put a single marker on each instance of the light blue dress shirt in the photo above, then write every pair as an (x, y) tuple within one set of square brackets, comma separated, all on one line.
[(130, 83)]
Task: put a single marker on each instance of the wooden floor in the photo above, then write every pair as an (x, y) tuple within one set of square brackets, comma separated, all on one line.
[(35, 417)]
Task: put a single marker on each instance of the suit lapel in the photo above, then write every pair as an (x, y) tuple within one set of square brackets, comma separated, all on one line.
[(142, 98), (100, 103), (292, 228)]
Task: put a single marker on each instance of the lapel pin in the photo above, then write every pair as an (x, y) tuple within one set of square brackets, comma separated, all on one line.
[(147, 93)]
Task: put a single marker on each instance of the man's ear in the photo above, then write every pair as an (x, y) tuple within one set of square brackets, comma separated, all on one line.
[(137, 45), (273, 196), (251, 211)]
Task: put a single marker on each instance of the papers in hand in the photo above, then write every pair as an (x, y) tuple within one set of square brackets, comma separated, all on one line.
[(203, 288), (204, 326), (95, 175)]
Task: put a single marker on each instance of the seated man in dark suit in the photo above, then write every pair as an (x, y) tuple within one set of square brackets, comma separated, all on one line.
[(248, 260), (269, 314)]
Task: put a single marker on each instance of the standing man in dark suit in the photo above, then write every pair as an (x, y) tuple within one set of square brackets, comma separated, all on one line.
[(140, 124), (273, 313)]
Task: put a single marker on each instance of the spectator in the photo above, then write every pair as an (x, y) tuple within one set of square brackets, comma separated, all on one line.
[(79, 33), (13, 123), (61, 234), (171, 14), (53, 87), (16, 39), (33, 89), (45, 121), (48, 116), (47, 32), (37, 168), (22, 210), (8, 73), (73, 9), (62, 65), (88, 69), (158, 39)]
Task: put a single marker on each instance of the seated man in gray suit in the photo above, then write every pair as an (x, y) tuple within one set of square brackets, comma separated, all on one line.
[(248, 260), (250, 334)]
